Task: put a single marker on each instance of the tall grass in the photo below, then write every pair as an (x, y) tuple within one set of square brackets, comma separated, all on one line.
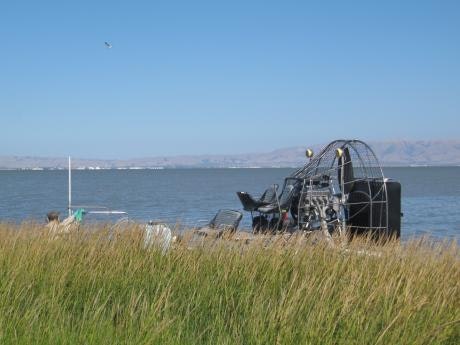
[(85, 289)]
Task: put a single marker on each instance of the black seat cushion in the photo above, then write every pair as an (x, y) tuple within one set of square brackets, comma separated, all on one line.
[(226, 219)]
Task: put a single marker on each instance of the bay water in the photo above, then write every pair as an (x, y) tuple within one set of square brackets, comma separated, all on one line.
[(430, 195)]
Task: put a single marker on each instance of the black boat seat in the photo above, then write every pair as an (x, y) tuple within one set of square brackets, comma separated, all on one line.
[(226, 220), (250, 204), (283, 202)]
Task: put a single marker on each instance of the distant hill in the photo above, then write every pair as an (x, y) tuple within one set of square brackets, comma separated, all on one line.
[(435, 152), (390, 153)]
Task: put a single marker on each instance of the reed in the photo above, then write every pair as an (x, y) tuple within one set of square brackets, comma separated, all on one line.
[(86, 289)]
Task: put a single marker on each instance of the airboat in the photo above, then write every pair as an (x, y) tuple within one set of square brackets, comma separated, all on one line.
[(340, 190), (76, 212), (155, 233)]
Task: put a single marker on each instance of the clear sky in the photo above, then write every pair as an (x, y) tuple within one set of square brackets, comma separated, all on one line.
[(216, 77)]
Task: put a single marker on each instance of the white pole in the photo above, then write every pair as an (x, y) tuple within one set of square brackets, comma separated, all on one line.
[(70, 187)]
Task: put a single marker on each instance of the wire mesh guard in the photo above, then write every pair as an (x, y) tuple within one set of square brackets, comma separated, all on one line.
[(342, 188)]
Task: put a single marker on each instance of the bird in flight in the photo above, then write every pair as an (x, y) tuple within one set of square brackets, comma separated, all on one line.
[(108, 45)]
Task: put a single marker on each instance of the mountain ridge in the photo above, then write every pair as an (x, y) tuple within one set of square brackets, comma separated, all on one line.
[(389, 153)]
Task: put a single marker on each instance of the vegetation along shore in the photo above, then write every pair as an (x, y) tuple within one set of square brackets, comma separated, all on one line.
[(92, 288)]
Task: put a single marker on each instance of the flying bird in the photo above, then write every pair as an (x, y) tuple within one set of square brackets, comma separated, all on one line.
[(108, 45)]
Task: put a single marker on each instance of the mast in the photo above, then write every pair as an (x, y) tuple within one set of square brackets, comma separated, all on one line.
[(70, 187)]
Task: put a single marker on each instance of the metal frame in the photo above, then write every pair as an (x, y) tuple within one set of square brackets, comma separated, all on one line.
[(363, 163)]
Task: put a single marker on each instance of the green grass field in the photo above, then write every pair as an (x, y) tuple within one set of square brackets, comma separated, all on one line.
[(84, 289)]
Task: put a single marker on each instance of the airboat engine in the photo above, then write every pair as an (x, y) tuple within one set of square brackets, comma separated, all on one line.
[(343, 189)]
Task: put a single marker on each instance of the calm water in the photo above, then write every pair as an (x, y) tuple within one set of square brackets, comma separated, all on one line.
[(431, 196)]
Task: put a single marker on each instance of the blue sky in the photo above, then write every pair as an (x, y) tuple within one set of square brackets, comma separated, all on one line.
[(216, 77)]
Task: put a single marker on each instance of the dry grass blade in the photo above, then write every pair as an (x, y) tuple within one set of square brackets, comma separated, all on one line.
[(95, 286)]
